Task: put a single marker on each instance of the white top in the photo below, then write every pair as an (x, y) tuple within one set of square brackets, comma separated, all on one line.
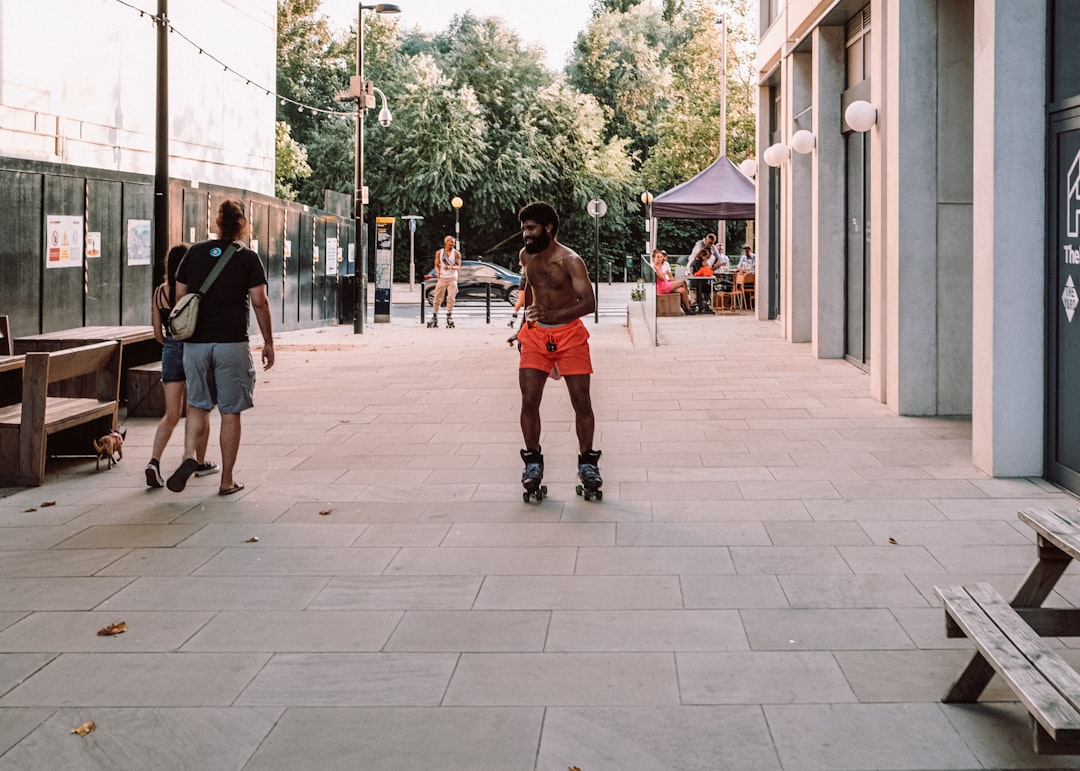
[(448, 264)]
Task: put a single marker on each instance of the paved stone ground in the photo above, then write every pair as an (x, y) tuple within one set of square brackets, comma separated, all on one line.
[(755, 591)]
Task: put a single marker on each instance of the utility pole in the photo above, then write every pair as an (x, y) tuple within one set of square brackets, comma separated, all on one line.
[(161, 140)]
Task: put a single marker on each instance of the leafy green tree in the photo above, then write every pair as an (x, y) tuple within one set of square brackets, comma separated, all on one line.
[(290, 161), (620, 59), (435, 148), (313, 65), (600, 7)]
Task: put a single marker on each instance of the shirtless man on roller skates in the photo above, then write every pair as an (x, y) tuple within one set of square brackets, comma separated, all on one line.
[(554, 342)]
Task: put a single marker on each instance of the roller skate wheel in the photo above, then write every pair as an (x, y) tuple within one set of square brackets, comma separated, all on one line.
[(525, 496), (543, 489), (579, 490)]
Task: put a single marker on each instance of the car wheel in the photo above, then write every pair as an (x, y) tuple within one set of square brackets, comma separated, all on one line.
[(429, 294), (512, 296)]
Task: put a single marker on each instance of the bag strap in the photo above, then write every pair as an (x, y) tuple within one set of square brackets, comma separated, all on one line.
[(220, 266)]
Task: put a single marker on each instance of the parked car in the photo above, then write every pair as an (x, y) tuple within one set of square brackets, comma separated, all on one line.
[(474, 278)]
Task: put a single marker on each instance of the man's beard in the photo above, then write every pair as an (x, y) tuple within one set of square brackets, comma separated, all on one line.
[(538, 244)]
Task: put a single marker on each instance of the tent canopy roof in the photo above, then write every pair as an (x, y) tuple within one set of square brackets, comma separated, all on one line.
[(719, 192)]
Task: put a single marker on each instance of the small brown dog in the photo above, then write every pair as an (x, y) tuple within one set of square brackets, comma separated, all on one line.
[(109, 445)]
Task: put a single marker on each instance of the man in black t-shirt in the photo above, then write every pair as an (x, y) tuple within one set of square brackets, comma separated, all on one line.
[(217, 358)]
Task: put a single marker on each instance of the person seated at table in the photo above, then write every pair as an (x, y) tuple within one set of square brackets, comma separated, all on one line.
[(701, 267), (666, 283), (748, 260)]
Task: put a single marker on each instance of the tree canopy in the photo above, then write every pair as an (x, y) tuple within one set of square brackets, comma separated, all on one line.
[(477, 114)]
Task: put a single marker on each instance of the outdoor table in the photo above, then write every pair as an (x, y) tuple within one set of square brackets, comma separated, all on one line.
[(1009, 639), (137, 344)]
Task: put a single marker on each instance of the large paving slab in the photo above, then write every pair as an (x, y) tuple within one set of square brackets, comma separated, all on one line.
[(755, 590)]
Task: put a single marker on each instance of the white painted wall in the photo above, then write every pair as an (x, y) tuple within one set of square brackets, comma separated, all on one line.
[(77, 86)]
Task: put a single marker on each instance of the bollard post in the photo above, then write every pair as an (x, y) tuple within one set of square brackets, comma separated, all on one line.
[(423, 302), (487, 300)]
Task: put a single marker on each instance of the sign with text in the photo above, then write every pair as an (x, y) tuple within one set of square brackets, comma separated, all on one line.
[(63, 241), (384, 267)]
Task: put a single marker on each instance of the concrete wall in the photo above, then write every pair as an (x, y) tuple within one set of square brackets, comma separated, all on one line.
[(1009, 216), (78, 87), (828, 193), (957, 210)]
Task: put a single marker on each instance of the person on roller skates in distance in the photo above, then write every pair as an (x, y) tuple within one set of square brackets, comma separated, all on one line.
[(554, 342)]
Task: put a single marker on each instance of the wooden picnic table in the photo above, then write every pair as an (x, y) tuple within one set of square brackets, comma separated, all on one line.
[(1008, 636), (77, 336), (137, 345)]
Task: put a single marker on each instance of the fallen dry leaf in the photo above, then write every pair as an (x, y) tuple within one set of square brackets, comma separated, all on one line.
[(324, 512), (574, 768), (27, 511), (253, 539), (892, 540), (47, 503), (113, 629), (82, 730)]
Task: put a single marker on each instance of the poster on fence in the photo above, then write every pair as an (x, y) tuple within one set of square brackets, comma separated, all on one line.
[(332, 257), (138, 242), (63, 241)]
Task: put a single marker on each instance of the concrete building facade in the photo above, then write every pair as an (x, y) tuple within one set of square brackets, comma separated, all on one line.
[(78, 87), (930, 249)]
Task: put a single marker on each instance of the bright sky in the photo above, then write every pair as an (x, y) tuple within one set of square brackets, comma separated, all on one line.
[(554, 24)]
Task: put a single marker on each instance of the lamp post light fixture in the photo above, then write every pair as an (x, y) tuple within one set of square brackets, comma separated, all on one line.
[(650, 235), (722, 22), (860, 115), (457, 203), (803, 141), (364, 93), (749, 167)]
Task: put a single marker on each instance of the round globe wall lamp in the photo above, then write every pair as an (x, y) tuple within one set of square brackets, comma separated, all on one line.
[(803, 141), (776, 155), (749, 167), (860, 115)]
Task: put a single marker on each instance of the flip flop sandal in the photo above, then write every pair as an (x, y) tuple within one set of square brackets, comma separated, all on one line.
[(178, 481), (230, 490)]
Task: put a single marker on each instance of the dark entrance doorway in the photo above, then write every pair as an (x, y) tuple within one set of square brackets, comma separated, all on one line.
[(1063, 406), (857, 250)]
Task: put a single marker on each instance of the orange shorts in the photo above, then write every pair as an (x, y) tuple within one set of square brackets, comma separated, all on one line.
[(571, 352)]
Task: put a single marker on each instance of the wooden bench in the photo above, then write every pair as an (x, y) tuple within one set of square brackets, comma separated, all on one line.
[(6, 346), (1008, 635), (1040, 678), (668, 305), (26, 429)]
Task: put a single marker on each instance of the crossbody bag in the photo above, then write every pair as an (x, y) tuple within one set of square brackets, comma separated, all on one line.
[(184, 316)]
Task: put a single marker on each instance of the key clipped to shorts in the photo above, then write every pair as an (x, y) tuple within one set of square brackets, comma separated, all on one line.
[(551, 346)]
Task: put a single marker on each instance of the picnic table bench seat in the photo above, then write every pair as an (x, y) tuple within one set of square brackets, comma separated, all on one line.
[(25, 427), (1009, 635)]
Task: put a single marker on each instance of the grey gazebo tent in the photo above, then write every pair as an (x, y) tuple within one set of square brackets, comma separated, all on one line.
[(719, 192)]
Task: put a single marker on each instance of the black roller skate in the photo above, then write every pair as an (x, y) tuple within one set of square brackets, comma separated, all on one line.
[(533, 475), (449, 321), (434, 321), (589, 474)]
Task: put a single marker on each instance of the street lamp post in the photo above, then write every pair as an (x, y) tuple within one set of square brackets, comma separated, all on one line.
[(412, 218), (457, 203), (721, 225), (363, 102), (650, 226)]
